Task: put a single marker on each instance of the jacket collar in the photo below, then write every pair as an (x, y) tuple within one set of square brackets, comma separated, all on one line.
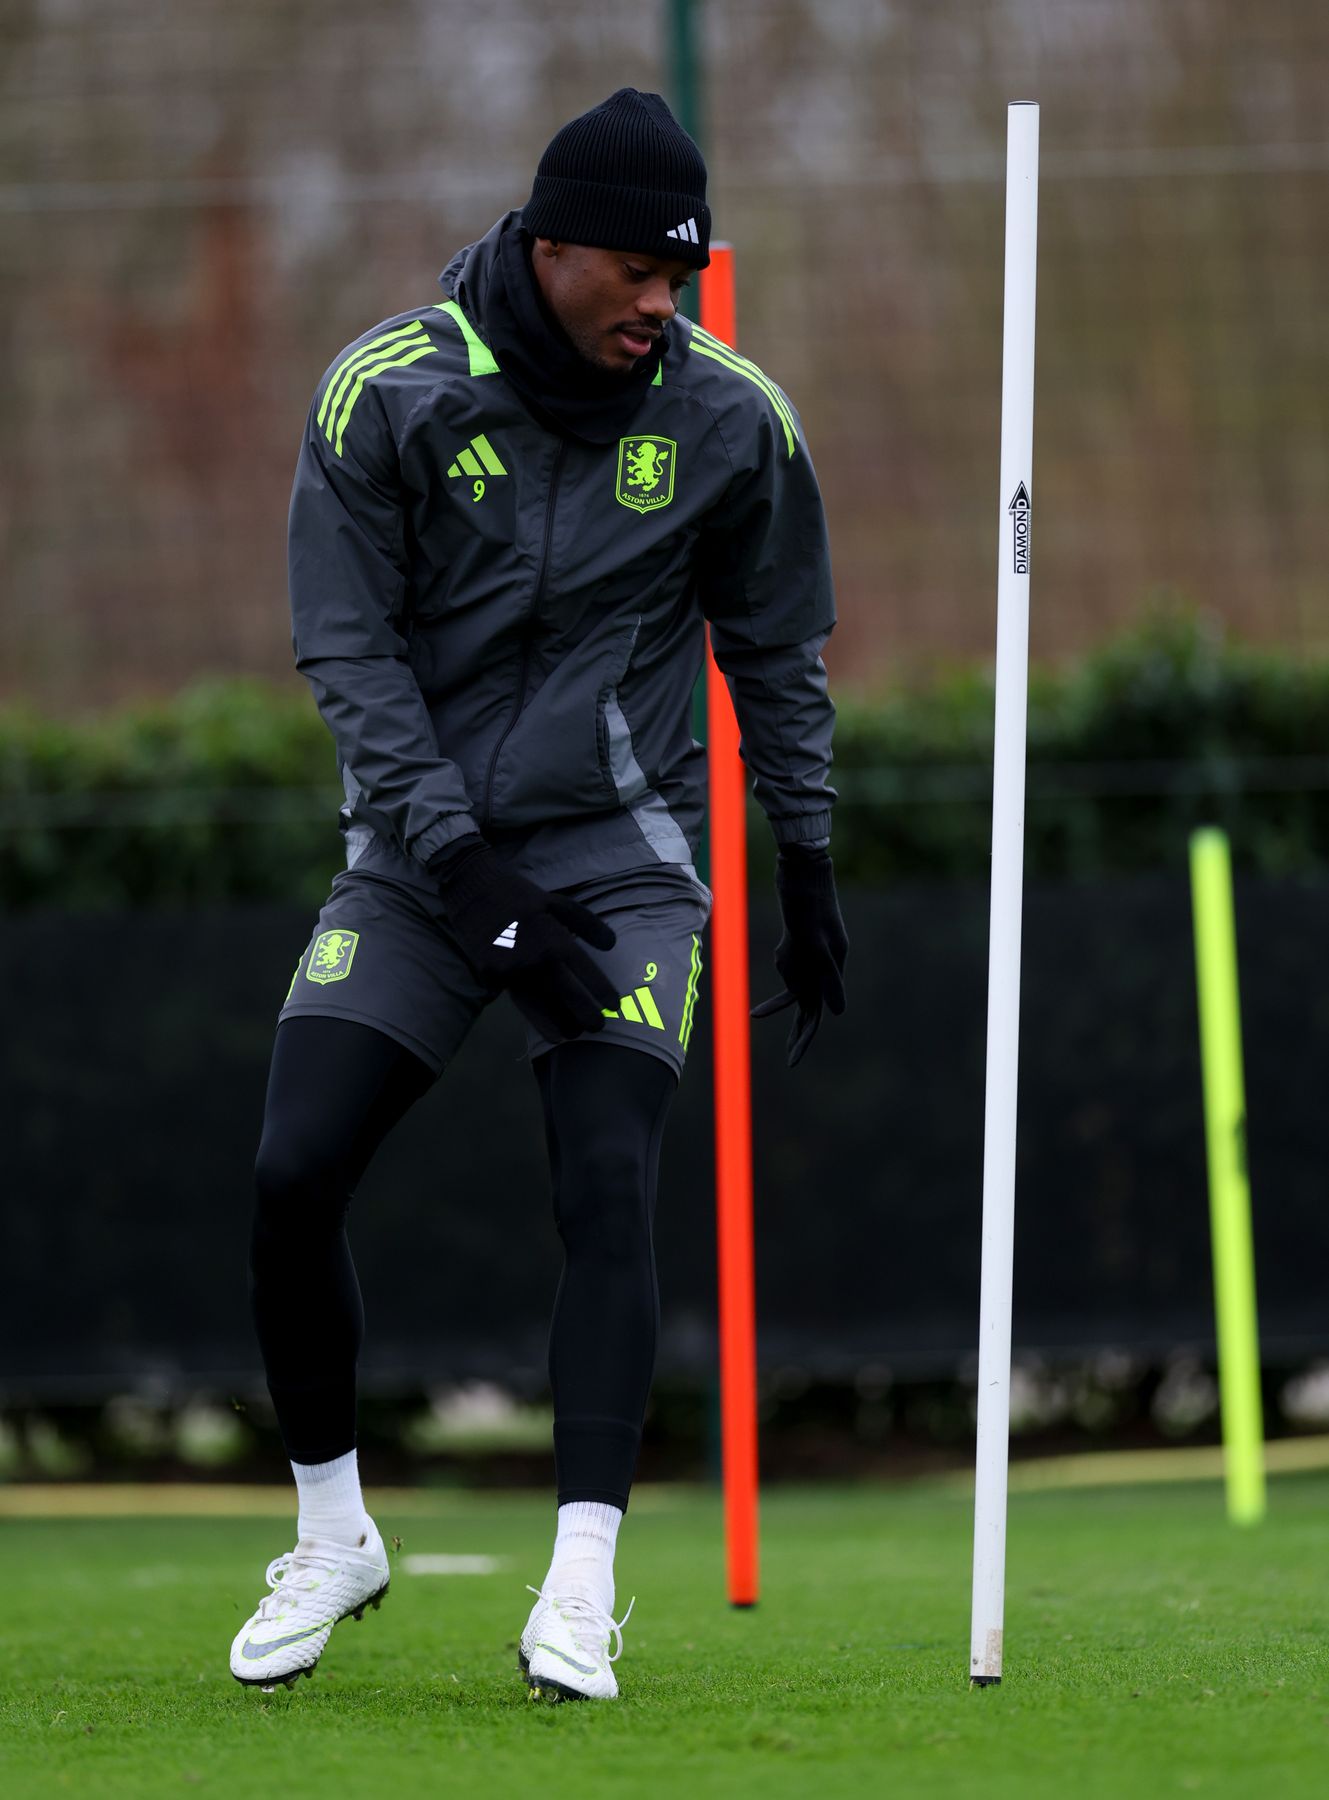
[(493, 282)]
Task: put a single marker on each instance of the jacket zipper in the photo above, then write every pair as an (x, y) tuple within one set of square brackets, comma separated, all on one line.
[(541, 579)]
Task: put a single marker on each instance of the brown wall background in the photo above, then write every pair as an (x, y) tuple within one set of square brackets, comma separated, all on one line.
[(201, 203)]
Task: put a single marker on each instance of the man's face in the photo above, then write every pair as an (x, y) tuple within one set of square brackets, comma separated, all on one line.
[(613, 304)]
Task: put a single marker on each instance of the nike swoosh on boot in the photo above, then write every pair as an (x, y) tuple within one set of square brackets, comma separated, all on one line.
[(562, 1655), (253, 1652)]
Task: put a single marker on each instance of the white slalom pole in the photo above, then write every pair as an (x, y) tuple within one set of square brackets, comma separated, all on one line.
[(994, 1346)]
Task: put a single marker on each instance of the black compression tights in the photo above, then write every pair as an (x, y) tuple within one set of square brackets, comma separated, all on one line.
[(335, 1091), (605, 1110)]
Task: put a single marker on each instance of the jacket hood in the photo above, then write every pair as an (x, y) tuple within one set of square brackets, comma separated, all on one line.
[(466, 278)]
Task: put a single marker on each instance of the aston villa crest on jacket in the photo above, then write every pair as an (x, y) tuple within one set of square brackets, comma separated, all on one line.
[(646, 472)]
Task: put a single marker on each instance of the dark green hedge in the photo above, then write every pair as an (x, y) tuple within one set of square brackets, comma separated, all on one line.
[(225, 791), (1164, 729), (228, 790)]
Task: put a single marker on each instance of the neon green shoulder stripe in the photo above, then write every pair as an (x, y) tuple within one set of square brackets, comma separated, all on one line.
[(706, 345), (482, 357), (749, 368), (745, 367), (400, 357), (340, 378)]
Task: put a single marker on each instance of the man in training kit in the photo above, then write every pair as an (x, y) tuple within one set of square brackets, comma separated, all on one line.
[(513, 511)]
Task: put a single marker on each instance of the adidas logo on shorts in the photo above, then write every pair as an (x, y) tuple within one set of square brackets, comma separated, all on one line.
[(639, 1008)]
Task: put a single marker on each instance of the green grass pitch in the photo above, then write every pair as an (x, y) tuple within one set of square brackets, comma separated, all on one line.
[(1151, 1650)]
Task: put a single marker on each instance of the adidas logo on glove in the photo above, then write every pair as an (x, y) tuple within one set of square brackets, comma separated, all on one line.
[(507, 938)]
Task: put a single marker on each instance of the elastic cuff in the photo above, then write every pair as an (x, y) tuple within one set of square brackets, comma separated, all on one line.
[(802, 828), (445, 830)]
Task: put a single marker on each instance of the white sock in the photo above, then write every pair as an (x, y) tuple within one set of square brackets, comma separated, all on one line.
[(331, 1504), (583, 1559)]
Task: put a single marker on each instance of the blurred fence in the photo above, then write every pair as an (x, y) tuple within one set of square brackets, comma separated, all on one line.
[(199, 205), (134, 1068)]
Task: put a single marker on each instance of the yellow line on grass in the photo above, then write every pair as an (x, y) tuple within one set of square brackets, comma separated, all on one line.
[(218, 1500), (1128, 1468), (180, 1500)]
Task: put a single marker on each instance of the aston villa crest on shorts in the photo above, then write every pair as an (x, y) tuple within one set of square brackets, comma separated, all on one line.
[(646, 472), (331, 956)]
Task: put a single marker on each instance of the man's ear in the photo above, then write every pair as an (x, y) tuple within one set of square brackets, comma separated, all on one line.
[(548, 246)]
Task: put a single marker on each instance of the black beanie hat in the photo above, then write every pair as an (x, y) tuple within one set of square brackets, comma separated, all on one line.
[(624, 176)]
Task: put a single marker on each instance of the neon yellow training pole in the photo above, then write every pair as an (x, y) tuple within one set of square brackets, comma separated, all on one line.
[(1229, 1180)]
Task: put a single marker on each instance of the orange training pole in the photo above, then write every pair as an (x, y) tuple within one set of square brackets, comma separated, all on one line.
[(733, 1087)]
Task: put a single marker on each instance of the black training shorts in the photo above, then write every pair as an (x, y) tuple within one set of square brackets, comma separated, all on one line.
[(382, 954)]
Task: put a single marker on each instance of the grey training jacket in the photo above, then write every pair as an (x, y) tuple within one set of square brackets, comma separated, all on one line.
[(502, 627)]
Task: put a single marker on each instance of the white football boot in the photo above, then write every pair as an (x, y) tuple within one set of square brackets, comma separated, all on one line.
[(313, 1587), (565, 1648)]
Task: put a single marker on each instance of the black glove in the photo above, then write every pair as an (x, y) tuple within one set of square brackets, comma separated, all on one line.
[(810, 956), (518, 936)]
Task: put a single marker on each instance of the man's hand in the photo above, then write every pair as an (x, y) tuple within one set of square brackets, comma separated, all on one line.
[(518, 936), (810, 956)]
